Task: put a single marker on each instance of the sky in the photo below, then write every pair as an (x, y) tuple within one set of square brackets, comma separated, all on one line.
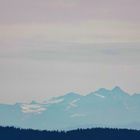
[(52, 47)]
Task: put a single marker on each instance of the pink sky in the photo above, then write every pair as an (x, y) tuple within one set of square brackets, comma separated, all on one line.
[(51, 47), (25, 11)]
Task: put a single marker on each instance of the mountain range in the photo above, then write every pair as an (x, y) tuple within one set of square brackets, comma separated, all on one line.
[(103, 108)]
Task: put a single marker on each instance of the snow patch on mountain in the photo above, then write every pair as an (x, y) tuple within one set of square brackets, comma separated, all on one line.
[(32, 108), (72, 104), (54, 101), (101, 96), (77, 115)]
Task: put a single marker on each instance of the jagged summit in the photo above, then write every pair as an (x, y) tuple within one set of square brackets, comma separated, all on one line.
[(102, 90), (118, 89), (72, 94)]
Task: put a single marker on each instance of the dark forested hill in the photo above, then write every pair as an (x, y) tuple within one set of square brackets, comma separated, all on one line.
[(11, 133)]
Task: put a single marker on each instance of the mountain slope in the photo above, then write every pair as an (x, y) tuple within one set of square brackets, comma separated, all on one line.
[(102, 108)]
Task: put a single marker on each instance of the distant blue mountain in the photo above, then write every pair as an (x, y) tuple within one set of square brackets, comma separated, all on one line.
[(102, 108)]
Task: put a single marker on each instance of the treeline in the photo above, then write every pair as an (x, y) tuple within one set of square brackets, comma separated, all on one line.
[(11, 133)]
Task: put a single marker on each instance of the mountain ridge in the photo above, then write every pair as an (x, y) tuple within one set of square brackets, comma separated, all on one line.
[(111, 108)]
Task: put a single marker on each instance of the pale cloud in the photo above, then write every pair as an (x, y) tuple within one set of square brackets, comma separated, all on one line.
[(88, 32), (38, 73), (102, 53), (32, 11)]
